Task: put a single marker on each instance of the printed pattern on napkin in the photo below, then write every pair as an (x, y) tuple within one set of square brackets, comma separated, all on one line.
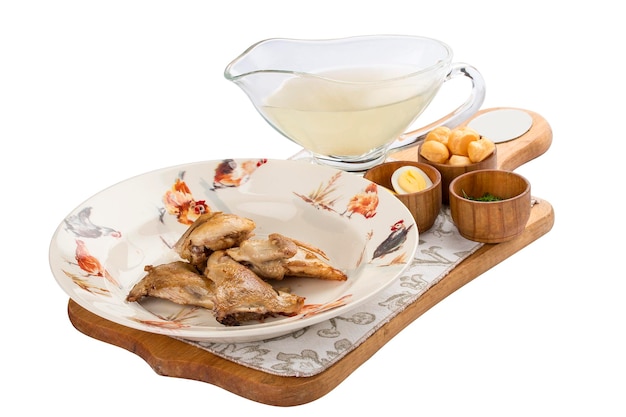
[(311, 350)]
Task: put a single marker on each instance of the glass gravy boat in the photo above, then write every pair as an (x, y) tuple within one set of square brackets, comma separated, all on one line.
[(349, 101)]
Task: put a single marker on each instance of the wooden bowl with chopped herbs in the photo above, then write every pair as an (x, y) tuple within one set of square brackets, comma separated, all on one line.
[(491, 205)]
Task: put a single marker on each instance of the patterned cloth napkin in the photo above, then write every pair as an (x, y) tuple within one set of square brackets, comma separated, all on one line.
[(312, 350)]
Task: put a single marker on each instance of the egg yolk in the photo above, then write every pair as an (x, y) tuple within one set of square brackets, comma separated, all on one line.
[(411, 181)]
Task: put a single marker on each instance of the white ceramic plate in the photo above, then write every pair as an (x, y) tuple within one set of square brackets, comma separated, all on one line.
[(136, 222)]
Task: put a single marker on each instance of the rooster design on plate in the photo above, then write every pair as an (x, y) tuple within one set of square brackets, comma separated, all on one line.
[(180, 202), (364, 203), (86, 263)]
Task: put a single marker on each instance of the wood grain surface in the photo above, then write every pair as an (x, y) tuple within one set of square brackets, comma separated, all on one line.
[(173, 358)]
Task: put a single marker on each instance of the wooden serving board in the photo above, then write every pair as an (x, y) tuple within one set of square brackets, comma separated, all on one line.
[(171, 357)]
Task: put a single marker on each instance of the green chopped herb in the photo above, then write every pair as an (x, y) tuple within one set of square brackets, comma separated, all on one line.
[(484, 197)]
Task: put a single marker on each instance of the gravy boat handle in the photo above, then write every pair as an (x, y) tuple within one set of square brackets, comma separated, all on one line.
[(458, 116)]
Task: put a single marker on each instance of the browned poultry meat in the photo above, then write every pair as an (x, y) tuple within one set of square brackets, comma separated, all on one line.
[(211, 232), (176, 281), (240, 295), (230, 290), (278, 256), (227, 270)]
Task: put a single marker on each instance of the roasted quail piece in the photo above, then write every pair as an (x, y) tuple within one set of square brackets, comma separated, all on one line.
[(230, 290), (265, 256), (211, 232), (178, 281), (241, 295), (278, 257)]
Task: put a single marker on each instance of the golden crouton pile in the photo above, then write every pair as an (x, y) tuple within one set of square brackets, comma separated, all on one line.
[(458, 146)]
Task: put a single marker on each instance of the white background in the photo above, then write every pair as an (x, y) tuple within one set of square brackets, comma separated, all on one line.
[(92, 93)]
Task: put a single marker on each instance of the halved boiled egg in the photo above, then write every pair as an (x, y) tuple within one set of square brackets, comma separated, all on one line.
[(409, 179)]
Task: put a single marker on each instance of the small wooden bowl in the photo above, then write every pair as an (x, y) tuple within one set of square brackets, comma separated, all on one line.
[(450, 172), (493, 221), (424, 205)]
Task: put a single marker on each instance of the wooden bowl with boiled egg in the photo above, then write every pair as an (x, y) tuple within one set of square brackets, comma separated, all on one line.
[(454, 152), (415, 184)]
